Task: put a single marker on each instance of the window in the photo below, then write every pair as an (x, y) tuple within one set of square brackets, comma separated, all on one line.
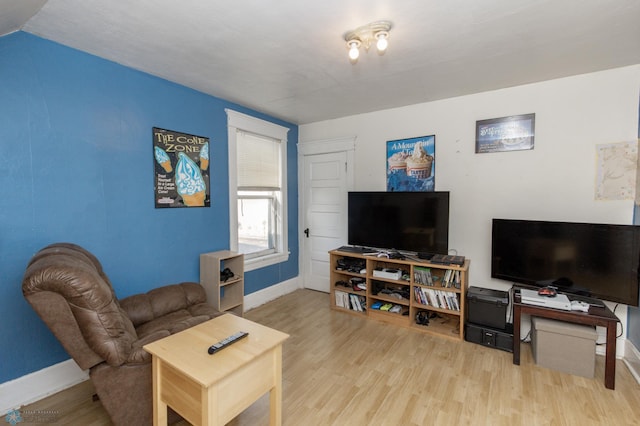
[(259, 195), (257, 190)]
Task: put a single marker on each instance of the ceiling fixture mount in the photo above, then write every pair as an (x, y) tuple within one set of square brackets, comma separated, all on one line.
[(365, 35)]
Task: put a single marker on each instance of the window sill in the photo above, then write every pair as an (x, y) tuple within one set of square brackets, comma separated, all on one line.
[(264, 261)]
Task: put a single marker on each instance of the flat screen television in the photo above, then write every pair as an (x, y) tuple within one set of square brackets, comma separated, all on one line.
[(587, 259), (416, 222)]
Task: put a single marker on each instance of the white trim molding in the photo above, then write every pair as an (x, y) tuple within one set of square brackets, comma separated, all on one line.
[(238, 121), (632, 359), (268, 294), (327, 145), (40, 384), (346, 144)]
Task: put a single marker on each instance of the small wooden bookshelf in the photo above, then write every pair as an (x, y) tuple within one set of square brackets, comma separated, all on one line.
[(436, 290), (225, 295)]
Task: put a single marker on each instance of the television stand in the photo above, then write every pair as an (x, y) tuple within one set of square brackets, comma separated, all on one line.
[(602, 317), (408, 291)]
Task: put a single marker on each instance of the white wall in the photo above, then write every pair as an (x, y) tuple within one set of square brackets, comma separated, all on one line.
[(554, 181)]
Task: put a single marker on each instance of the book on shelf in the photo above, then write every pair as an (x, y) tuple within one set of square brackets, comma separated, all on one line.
[(422, 275), (437, 298), (350, 301), (451, 278), (363, 302), (353, 302), (419, 297)]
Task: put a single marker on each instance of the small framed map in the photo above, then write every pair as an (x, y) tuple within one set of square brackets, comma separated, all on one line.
[(616, 174)]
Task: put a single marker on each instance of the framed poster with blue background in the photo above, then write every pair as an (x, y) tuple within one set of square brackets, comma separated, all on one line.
[(411, 164)]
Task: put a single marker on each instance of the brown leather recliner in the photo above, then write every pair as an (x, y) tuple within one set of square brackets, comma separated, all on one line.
[(67, 287)]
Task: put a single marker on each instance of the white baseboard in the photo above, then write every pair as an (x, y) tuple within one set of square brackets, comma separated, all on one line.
[(621, 343), (632, 360), (39, 384), (268, 294)]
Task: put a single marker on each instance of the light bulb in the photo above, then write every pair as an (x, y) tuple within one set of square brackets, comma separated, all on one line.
[(382, 42), (353, 51)]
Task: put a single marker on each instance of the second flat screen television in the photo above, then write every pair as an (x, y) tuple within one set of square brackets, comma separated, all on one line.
[(405, 221), (589, 259)]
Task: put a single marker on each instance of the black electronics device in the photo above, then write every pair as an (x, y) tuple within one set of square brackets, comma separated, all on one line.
[(216, 347), (226, 274), (442, 259), (407, 221), (487, 307), (422, 317), (351, 265), (487, 318), (492, 337), (586, 259)]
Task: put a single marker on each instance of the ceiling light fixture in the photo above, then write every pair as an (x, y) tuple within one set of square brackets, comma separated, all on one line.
[(354, 49), (365, 35)]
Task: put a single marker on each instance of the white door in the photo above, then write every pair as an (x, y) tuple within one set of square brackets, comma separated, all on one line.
[(324, 216)]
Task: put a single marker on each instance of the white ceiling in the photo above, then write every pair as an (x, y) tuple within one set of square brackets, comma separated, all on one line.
[(287, 58)]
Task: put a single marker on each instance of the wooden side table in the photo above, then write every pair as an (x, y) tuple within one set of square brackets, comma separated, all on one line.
[(213, 389), (596, 316)]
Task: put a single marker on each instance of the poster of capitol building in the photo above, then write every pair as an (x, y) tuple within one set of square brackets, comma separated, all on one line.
[(181, 169), (411, 164)]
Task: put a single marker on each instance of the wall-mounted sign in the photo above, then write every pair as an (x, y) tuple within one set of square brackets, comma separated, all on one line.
[(513, 133), (181, 169)]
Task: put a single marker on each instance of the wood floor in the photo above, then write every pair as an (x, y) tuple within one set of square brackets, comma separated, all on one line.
[(339, 369)]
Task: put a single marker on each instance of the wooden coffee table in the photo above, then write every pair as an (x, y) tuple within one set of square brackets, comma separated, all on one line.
[(213, 389)]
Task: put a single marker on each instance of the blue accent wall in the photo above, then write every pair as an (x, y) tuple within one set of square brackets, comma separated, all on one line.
[(76, 165)]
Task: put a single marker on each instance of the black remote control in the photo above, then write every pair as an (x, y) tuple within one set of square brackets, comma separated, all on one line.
[(226, 342)]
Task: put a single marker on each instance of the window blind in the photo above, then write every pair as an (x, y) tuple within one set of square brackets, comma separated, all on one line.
[(258, 162)]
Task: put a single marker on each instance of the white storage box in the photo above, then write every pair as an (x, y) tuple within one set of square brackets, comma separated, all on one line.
[(564, 346)]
